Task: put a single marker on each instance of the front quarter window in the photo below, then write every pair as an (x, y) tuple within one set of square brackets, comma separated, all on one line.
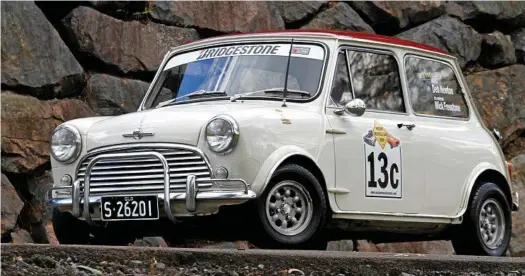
[(231, 70)]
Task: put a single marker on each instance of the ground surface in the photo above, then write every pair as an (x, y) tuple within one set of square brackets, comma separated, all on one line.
[(103, 260)]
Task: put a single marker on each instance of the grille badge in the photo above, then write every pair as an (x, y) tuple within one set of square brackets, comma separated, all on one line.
[(137, 134)]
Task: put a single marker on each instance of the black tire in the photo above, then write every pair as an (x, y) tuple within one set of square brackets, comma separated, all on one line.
[(70, 230), (310, 237), (467, 239)]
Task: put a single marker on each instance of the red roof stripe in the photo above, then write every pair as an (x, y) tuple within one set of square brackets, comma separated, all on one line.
[(357, 35)]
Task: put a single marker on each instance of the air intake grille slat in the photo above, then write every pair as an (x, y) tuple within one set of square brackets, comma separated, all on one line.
[(142, 165), (144, 174)]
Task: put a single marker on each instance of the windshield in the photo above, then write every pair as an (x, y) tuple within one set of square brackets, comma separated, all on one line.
[(240, 69)]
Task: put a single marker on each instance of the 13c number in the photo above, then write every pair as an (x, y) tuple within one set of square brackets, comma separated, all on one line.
[(388, 176)]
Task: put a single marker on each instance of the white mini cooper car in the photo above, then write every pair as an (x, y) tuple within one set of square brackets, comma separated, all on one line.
[(301, 131)]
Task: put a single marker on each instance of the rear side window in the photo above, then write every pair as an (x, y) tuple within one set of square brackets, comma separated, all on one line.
[(434, 89), (375, 80)]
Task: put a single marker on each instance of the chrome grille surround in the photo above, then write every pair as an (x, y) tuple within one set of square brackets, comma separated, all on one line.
[(144, 174), (192, 190)]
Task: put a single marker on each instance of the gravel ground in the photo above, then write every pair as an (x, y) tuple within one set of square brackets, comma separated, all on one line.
[(73, 260)]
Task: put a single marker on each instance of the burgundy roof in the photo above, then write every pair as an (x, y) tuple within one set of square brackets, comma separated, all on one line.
[(357, 35)]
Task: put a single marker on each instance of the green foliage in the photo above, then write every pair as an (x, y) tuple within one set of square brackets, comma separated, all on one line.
[(137, 15)]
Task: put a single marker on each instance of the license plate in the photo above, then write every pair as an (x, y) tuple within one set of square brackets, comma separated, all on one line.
[(142, 207)]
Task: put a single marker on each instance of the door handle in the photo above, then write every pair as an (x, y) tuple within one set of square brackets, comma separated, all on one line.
[(408, 126)]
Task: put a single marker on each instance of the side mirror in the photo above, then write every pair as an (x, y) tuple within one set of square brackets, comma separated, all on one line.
[(355, 107)]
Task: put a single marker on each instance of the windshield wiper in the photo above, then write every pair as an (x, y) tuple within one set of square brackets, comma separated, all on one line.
[(270, 91), (193, 94)]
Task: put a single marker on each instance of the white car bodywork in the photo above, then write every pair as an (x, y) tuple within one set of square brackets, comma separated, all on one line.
[(438, 161)]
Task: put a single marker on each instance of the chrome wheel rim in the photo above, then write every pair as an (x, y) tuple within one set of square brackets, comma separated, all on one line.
[(289, 208), (491, 224)]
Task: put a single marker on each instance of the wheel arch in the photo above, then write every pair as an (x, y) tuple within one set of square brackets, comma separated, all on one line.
[(489, 173), (308, 164), (283, 156)]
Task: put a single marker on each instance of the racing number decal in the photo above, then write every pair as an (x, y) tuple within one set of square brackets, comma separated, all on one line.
[(382, 163)]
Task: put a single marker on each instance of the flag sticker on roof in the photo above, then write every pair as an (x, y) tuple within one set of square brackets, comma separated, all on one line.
[(301, 50)]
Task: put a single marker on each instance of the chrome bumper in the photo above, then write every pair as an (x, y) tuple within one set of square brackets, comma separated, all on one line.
[(81, 201), (516, 202)]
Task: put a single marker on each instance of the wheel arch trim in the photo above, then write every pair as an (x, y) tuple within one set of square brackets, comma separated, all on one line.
[(477, 174), (275, 160)]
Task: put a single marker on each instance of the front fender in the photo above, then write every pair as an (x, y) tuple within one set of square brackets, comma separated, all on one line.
[(272, 163)]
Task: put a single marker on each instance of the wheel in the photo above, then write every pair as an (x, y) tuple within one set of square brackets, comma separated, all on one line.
[(487, 227), (292, 210), (70, 230)]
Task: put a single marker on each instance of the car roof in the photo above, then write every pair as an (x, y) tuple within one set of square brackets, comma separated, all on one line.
[(374, 38)]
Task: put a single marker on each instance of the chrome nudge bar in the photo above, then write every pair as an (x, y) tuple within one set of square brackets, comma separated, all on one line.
[(83, 199)]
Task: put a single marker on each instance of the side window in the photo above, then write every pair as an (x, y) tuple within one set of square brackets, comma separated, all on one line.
[(341, 88), (434, 88), (375, 80)]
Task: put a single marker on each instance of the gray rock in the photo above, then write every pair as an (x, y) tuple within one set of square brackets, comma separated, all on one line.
[(35, 60), (108, 39), (221, 245), (496, 50), (517, 242), (91, 270), (24, 149), (160, 266), (37, 210), (108, 95), (498, 95), (135, 262), (339, 17), (341, 245), (449, 34), (518, 40), (21, 236), (220, 16), (154, 241), (379, 19), (11, 205), (499, 15), (293, 12), (389, 17), (518, 163)]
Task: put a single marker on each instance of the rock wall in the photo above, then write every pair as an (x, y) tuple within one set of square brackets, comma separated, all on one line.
[(66, 60)]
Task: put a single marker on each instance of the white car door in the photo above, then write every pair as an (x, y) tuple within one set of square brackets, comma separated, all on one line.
[(450, 140), (378, 168)]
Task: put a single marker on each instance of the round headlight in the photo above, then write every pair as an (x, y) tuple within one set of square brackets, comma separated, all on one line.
[(222, 133), (65, 144)]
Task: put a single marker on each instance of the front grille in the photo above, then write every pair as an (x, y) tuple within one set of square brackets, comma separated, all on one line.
[(144, 174)]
